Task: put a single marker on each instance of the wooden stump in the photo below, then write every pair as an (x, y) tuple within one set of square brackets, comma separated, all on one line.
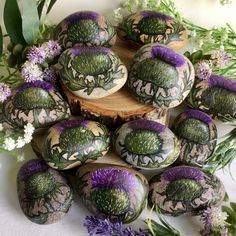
[(118, 107)]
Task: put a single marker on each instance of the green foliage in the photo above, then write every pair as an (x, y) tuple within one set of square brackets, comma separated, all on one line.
[(231, 218), (30, 22), (13, 21), (1, 41), (51, 4)]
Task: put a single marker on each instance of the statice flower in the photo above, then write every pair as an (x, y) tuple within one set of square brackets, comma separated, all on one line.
[(203, 70), (31, 72), (214, 220), (36, 55), (107, 227), (52, 49), (20, 142), (49, 75), (220, 58), (5, 92), (9, 144)]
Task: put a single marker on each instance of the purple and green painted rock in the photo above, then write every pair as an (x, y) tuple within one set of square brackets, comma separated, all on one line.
[(215, 96), (160, 76), (73, 142), (198, 136), (112, 191), (185, 189), (45, 196), (153, 27), (146, 144), (85, 28), (92, 72), (38, 103)]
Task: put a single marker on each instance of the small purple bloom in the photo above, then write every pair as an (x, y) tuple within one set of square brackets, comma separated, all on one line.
[(113, 178), (36, 55), (5, 92), (222, 82), (220, 58), (146, 124), (52, 49), (167, 55), (70, 124), (159, 15), (82, 15), (31, 72), (183, 172), (76, 51), (49, 75), (36, 84), (199, 115), (31, 167), (203, 70)]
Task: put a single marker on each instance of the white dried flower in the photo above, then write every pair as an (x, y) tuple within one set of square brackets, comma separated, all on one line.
[(9, 144), (20, 142), (29, 129)]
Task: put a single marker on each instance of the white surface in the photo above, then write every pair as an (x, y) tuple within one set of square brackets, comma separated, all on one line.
[(12, 220)]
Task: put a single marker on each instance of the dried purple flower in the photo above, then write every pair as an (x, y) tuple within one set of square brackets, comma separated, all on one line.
[(52, 49), (159, 15), (49, 75), (31, 72), (5, 92), (222, 82), (83, 15), (36, 84), (220, 58), (147, 124), (183, 172), (31, 167), (113, 178), (168, 55), (107, 227), (203, 70), (69, 124), (76, 51), (199, 115), (37, 55)]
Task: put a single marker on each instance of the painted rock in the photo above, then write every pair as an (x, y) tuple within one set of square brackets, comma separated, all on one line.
[(73, 142), (215, 96), (112, 191), (92, 72), (85, 28), (146, 144), (160, 76), (185, 189), (153, 27), (38, 103), (44, 194), (197, 134)]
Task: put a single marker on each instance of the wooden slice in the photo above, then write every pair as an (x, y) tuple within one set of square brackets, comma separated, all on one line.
[(117, 107)]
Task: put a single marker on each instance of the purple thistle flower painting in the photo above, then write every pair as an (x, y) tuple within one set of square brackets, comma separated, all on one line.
[(61, 126), (83, 15), (76, 51), (222, 82), (159, 15), (113, 178), (183, 172), (5, 92), (192, 113), (37, 55), (36, 84), (167, 55)]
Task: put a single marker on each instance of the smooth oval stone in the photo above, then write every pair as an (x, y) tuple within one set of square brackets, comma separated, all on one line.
[(45, 195), (92, 72), (198, 137), (85, 28), (215, 96), (147, 26), (73, 142), (146, 144), (160, 76), (185, 189), (112, 191), (38, 103)]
